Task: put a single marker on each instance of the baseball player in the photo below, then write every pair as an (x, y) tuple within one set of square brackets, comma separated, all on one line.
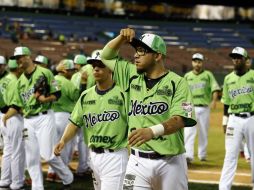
[(62, 109), (105, 128), (39, 121), (3, 73), (238, 119), (204, 89), (13, 159), (41, 60), (159, 107)]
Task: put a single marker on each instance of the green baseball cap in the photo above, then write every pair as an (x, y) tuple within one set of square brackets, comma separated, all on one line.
[(19, 51), (68, 64), (12, 64), (2, 60), (80, 59), (238, 51), (150, 41), (41, 59)]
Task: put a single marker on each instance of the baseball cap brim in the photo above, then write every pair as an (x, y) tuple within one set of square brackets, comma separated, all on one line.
[(138, 43), (235, 54)]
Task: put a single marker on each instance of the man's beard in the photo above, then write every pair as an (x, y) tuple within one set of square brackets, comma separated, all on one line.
[(240, 69), (140, 71)]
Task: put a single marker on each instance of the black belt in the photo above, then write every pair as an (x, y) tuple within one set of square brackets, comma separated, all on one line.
[(37, 114), (243, 115), (101, 150), (200, 105), (151, 155)]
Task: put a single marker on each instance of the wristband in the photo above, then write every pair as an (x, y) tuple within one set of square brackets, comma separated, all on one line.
[(224, 120), (158, 130)]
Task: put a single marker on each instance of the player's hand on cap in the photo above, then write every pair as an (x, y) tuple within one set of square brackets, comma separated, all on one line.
[(127, 34), (140, 136), (58, 148)]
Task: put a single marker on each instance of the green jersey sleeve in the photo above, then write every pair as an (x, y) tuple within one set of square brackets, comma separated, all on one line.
[(182, 103), (69, 95)]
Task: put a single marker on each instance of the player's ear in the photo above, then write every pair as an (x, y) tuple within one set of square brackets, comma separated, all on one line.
[(158, 56)]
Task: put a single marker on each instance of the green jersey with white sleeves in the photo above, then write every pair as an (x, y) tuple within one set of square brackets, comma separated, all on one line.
[(9, 82), (24, 93), (169, 97), (69, 95), (103, 116), (238, 92), (202, 86)]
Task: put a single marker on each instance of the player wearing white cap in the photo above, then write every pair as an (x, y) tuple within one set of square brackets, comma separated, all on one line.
[(41, 60), (13, 159), (238, 119), (159, 107), (38, 118), (204, 89), (101, 112)]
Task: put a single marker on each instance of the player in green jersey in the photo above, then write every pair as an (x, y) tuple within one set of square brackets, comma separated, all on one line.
[(39, 121), (101, 112), (238, 119), (204, 89), (13, 159), (159, 107), (62, 109)]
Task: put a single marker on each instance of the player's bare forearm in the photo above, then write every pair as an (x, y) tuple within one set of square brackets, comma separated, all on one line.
[(173, 125), (11, 112), (214, 99), (69, 132), (142, 135), (45, 99)]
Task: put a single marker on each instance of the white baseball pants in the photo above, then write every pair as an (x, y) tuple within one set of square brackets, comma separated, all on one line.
[(83, 150), (237, 129), (109, 169), (40, 143), (61, 121), (169, 173), (13, 159), (202, 116)]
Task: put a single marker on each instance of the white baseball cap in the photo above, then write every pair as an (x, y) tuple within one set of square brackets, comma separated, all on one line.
[(152, 42), (239, 51), (96, 56), (198, 56), (41, 59), (2, 60), (19, 51), (80, 59)]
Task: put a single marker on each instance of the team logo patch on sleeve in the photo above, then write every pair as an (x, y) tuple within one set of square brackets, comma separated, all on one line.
[(188, 108)]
